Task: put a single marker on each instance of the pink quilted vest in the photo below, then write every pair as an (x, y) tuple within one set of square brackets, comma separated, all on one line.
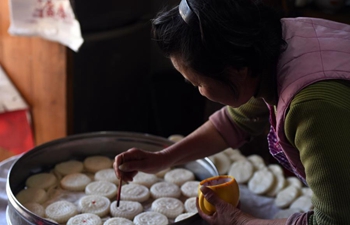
[(317, 50)]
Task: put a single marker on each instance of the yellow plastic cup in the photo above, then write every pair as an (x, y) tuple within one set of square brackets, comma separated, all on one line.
[(225, 186)]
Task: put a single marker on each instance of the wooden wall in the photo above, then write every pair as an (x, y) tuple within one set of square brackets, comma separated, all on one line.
[(37, 68)]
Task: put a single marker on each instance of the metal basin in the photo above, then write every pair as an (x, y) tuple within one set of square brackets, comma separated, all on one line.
[(44, 157)]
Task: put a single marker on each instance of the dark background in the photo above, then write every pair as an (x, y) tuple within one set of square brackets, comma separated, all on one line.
[(119, 79)]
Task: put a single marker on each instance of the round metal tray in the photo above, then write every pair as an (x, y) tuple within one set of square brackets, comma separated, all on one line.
[(45, 156)]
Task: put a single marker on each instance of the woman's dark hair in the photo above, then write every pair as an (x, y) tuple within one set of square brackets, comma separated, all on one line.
[(236, 33)]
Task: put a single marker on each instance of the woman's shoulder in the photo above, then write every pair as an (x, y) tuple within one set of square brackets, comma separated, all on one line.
[(335, 91)]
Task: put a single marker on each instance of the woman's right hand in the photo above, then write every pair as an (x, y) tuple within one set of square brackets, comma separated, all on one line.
[(127, 164)]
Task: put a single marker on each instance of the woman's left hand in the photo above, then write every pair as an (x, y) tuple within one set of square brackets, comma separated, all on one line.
[(225, 212)]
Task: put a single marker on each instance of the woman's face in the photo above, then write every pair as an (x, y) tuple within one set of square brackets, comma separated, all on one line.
[(218, 91)]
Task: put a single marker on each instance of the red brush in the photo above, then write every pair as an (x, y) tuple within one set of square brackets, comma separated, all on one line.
[(119, 190), (120, 184)]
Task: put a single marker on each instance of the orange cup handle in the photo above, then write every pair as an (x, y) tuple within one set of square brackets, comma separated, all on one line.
[(201, 203)]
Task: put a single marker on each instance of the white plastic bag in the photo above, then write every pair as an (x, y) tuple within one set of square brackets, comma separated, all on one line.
[(50, 19), (10, 98)]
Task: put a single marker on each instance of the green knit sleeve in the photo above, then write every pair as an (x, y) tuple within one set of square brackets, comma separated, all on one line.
[(318, 125), (252, 117)]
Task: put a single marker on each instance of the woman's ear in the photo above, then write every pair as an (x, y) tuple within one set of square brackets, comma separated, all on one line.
[(242, 77), (239, 74)]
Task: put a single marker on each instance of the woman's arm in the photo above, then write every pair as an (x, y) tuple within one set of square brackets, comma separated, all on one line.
[(218, 133), (202, 142), (318, 124)]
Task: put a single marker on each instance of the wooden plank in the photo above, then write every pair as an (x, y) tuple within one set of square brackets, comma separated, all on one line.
[(37, 68)]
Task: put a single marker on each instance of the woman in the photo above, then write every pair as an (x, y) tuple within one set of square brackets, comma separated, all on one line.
[(292, 74)]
